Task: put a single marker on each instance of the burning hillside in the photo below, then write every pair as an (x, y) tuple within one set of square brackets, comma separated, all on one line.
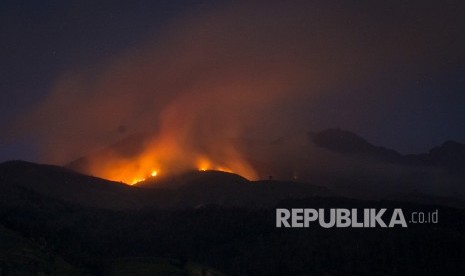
[(160, 158)]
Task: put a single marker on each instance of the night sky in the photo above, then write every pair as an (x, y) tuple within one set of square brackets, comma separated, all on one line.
[(392, 72)]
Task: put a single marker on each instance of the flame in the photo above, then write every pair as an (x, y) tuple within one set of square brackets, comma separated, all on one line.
[(204, 164), (137, 180), (170, 155), (168, 159), (223, 169)]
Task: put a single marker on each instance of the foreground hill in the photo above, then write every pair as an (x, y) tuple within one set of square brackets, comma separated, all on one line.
[(35, 256), (20, 180), (235, 241), (197, 188), (64, 184), (22, 256), (204, 223)]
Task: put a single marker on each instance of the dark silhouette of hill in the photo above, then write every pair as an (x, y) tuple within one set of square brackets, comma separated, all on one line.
[(450, 154), (20, 180), (64, 184), (22, 256), (57, 221), (199, 188), (194, 178), (347, 142), (185, 190), (235, 241), (217, 223), (422, 198)]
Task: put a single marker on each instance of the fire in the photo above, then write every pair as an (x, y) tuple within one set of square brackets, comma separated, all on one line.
[(136, 180), (171, 157), (223, 169), (203, 164), (133, 171)]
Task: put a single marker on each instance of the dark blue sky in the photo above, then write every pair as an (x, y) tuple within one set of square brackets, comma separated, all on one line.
[(409, 107), (42, 38)]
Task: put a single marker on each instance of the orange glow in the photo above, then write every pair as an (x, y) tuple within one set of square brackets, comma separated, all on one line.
[(137, 180), (171, 156), (203, 164), (140, 168), (223, 169)]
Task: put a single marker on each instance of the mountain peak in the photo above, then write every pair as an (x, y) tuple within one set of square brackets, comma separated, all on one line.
[(342, 141), (450, 154), (347, 142)]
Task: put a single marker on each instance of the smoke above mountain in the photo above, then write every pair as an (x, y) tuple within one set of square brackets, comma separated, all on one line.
[(219, 73)]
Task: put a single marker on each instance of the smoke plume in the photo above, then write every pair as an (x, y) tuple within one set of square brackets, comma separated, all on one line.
[(210, 76)]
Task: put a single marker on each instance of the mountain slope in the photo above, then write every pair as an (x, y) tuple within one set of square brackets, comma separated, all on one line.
[(450, 154), (347, 142), (197, 188), (20, 180), (60, 183), (20, 256)]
